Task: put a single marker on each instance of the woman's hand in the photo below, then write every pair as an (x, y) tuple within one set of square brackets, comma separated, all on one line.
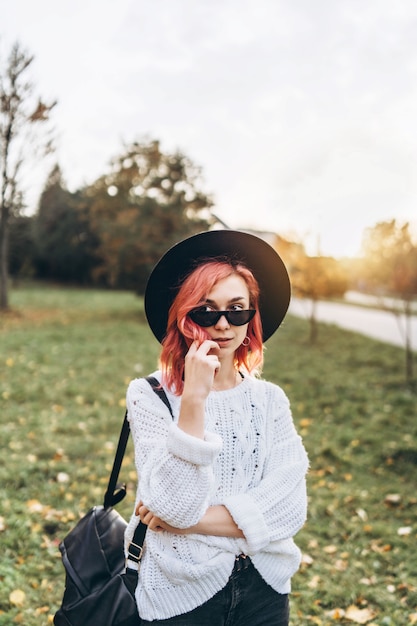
[(155, 523), (200, 366)]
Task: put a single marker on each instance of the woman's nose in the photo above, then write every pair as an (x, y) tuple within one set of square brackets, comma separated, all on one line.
[(222, 323)]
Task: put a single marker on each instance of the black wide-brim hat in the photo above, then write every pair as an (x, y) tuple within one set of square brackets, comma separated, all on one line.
[(180, 260)]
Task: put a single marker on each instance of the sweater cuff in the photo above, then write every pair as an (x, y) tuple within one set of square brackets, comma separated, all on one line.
[(192, 449), (250, 520)]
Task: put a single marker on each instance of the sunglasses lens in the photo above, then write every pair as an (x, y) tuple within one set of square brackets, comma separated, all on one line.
[(204, 318), (239, 318), (210, 318)]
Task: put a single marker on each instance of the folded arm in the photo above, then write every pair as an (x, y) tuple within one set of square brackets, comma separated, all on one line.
[(217, 521)]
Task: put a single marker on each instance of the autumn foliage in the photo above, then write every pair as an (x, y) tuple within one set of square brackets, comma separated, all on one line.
[(388, 267), (389, 260), (313, 278)]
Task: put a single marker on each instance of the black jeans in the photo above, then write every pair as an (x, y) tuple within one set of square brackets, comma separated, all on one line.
[(246, 600)]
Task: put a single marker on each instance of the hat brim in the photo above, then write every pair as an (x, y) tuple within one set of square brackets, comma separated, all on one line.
[(264, 262)]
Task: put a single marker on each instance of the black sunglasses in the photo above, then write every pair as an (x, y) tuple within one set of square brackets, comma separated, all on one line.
[(210, 318)]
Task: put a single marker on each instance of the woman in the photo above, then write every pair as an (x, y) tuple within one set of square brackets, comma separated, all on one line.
[(222, 486)]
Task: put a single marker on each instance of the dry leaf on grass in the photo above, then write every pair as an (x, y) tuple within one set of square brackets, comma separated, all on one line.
[(17, 597), (359, 616), (336, 614), (41, 610), (34, 506), (307, 559), (392, 499), (314, 582), (330, 549)]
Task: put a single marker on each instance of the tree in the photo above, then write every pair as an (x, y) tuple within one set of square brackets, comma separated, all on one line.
[(22, 249), (389, 268), (315, 278), (147, 202), (20, 118), (65, 246)]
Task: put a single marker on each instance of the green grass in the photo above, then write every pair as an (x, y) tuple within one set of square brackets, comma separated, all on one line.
[(66, 357)]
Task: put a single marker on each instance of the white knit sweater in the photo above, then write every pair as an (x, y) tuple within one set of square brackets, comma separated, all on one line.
[(252, 461)]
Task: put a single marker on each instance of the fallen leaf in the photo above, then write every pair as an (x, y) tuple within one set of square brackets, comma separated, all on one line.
[(17, 597), (306, 559), (341, 565), (376, 547), (34, 506), (362, 514), (62, 477), (368, 581), (404, 531), (392, 499), (330, 549), (336, 614), (314, 582), (359, 616)]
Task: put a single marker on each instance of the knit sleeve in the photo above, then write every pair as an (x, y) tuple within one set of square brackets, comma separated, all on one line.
[(276, 508), (175, 475)]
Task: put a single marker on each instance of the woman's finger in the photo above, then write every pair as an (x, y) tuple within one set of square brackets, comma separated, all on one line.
[(209, 346), (143, 512)]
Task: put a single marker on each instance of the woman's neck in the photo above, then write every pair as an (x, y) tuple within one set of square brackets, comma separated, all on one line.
[(226, 380)]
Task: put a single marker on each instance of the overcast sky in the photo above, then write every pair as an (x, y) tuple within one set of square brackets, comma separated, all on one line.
[(302, 114)]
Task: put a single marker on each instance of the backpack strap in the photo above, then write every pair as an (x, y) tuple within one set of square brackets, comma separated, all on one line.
[(135, 549), (114, 492), (159, 390)]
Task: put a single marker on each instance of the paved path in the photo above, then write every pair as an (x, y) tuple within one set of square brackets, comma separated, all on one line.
[(377, 324)]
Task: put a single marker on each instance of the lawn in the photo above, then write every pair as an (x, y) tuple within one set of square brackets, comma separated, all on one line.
[(66, 357)]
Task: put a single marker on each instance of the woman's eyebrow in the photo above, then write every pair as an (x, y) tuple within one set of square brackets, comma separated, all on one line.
[(231, 301)]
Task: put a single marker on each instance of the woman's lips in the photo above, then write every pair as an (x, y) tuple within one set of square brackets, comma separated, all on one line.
[(223, 341)]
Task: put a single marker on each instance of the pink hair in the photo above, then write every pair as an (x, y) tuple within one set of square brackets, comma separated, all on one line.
[(181, 331)]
